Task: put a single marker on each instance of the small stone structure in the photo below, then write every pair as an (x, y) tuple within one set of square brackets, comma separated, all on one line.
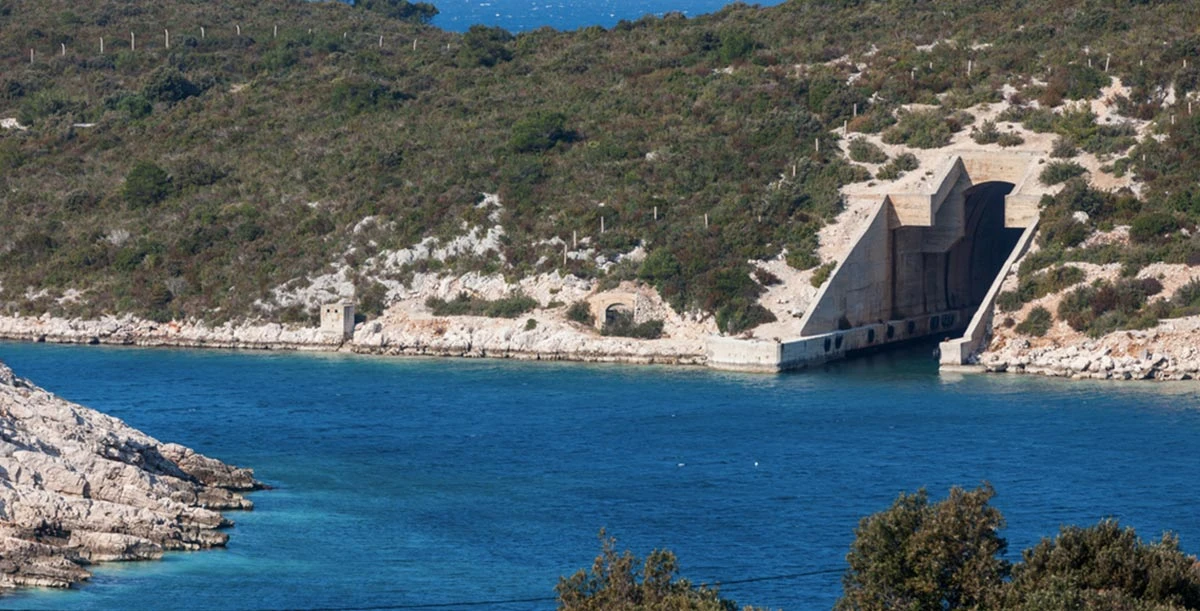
[(337, 321), (613, 302)]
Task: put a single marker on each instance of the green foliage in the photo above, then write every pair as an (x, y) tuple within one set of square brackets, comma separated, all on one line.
[(623, 581), (511, 306), (622, 325), (822, 274), (323, 116), (924, 129), (1037, 323), (485, 46), (924, 556), (988, 133), (1152, 226), (581, 313), (418, 12), (540, 133), (1034, 285), (1063, 148), (170, 86), (355, 95), (735, 45), (531, 324), (893, 170), (1104, 567), (1010, 139), (372, 299), (1104, 306), (1057, 172), (146, 185), (863, 151)]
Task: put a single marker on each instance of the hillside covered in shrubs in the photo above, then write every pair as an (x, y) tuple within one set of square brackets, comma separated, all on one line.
[(189, 180)]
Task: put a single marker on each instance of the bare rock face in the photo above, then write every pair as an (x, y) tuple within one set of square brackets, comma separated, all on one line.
[(78, 487)]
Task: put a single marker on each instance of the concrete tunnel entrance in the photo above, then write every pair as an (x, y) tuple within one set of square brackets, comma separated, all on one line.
[(926, 264), (959, 277)]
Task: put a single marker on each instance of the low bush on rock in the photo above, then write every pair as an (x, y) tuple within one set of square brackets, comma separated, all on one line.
[(511, 306)]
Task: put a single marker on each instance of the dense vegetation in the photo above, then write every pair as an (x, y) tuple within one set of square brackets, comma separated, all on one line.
[(948, 555), (620, 581), (189, 181), (924, 556)]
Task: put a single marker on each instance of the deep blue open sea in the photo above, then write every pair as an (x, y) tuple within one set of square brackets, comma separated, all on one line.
[(403, 482), (521, 15)]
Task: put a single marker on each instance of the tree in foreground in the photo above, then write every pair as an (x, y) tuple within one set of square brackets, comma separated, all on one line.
[(1104, 567), (919, 556), (622, 582)]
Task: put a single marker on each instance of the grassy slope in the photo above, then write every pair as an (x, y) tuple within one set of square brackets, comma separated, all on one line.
[(291, 141)]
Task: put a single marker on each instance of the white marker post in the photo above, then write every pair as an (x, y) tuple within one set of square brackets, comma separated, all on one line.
[(64, 48), (101, 45), (239, 28), (201, 32), (132, 42), (167, 35)]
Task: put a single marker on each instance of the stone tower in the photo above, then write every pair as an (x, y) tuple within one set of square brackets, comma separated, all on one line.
[(337, 321)]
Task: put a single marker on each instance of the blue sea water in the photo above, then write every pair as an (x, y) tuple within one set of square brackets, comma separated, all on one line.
[(522, 15), (402, 482)]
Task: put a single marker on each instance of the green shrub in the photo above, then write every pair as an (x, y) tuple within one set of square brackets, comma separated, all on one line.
[(864, 151), (581, 313), (893, 170), (1037, 323), (735, 45), (924, 129), (540, 132), (485, 46), (145, 185), (623, 581), (1009, 139), (530, 324), (1105, 307), (511, 306), (1063, 148), (1152, 227), (987, 133), (622, 325), (822, 274), (170, 86), (1057, 172), (417, 12), (923, 556)]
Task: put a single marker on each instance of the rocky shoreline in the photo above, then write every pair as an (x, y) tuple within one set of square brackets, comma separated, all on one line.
[(394, 335), (78, 487), (1169, 352)]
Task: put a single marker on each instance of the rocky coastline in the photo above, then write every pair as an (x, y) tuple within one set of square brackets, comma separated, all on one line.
[(1170, 351), (396, 334), (78, 487)]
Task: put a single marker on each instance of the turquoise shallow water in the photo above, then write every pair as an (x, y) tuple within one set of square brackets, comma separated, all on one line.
[(406, 482)]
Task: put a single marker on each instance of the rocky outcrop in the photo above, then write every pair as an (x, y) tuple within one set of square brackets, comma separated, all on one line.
[(78, 487), (1169, 352)]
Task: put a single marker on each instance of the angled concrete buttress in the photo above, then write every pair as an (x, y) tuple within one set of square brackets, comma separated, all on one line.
[(926, 263)]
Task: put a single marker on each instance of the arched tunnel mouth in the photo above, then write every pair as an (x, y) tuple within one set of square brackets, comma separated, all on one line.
[(941, 274), (987, 242)]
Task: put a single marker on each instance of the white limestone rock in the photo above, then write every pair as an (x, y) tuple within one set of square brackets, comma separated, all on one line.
[(77, 487)]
